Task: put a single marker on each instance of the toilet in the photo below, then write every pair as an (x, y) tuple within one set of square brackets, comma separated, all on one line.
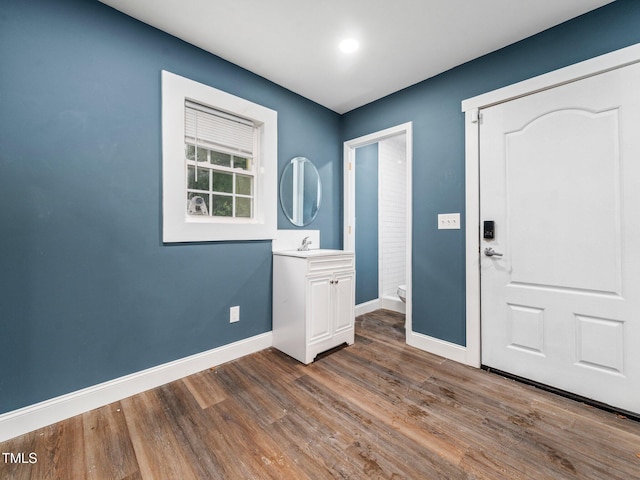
[(402, 293)]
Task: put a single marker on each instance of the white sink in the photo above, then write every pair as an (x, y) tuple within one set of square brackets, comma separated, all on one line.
[(317, 252)]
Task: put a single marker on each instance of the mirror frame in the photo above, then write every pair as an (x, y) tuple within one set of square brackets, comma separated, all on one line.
[(296, 213)]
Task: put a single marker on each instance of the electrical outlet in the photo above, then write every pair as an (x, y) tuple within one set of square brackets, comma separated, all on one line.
[(234, 314), (448, 221)]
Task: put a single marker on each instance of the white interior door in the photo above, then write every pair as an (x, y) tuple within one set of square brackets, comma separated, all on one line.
[(560, 177)]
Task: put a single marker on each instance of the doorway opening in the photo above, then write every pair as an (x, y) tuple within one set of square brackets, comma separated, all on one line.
[(390, 261)]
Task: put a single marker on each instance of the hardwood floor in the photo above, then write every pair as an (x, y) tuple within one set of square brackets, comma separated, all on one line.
[(378, 409)]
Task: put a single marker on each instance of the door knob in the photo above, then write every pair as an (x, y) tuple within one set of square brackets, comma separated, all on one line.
[(490, 252)]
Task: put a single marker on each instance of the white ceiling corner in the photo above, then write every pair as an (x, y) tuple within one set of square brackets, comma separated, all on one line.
[(294, 43)]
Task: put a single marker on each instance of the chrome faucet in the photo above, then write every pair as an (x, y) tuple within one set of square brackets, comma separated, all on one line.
[(305, 244)]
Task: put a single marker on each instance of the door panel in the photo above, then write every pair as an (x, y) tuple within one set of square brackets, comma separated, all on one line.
[(560, 176), (344, 301), (319, 313)]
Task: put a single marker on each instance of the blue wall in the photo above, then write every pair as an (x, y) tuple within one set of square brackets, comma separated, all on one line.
[(366, 223), (438, 146), (88, 292)]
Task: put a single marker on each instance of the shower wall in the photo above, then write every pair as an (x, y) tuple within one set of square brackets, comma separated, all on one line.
[(392, 207)]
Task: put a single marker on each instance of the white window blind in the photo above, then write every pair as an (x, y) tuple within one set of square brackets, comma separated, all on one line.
[(209, 127)]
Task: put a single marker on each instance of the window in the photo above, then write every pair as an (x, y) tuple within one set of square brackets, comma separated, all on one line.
[(219, 153), (219, 164)]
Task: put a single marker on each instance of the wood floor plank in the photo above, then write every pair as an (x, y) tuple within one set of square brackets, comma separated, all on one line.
[(398, 430), (203, 389), (22, 444), (108, 449), (376, 409), (206, 439), (320, 454), (534, 432), (250, 447), (346, 449), (263, 395), (158, 452), (501, 424), (59, 450), (531, 428), (239, 422)]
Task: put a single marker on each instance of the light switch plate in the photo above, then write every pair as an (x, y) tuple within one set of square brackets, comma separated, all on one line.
[(448, 221)]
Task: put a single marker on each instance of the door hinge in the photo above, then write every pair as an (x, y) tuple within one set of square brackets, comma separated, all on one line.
[(476, 116)]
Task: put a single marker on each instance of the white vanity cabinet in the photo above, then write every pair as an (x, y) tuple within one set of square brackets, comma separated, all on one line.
[(313, 301)]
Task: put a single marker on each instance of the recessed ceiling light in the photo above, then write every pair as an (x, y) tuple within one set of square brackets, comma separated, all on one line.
[(349, 45)]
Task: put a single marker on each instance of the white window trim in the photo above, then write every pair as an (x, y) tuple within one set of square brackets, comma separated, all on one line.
[(177, 225)]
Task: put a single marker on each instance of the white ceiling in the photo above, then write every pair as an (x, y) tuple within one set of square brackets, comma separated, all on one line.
[(294, 43)]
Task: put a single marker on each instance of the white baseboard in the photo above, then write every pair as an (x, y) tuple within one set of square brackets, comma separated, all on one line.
[(33, 417), (388, 303), (368, 307), (437, 347), (394, 304)]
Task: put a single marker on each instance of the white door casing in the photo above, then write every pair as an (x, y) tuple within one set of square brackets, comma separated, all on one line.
[(349, 232), (471, 108), (559, 177)]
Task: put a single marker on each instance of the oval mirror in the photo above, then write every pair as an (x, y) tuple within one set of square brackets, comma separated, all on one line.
[(300, 191)]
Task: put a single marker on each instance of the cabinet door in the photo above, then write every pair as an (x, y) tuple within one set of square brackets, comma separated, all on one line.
[(319, 312), (343, 301)]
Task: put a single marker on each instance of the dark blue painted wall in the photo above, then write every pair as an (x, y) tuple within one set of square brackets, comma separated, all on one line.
[(438, 146), (88, 292), (366, 223)]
